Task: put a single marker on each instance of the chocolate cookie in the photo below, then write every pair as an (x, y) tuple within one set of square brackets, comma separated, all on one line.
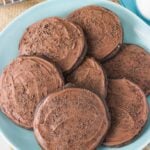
[(90, 75), (23, 84), (129, 111), (58, 39), (102, 29), (133, 63), (71, 118)]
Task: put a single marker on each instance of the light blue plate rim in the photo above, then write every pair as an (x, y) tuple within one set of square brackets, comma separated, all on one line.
[(49, 1), (132, 6)]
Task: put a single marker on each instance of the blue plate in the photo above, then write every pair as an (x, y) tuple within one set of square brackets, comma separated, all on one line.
[(132, 5), (135, 31)]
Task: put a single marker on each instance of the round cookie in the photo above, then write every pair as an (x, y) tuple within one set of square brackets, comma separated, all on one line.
[(22, 86), (129, 111), (90, 75), (71, 118), (57, 39), (102, 29), (133, 63)]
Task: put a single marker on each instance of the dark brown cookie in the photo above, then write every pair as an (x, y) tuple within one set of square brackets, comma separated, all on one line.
[(71, 118), (58, 39), (90, 75), (102, 29), (129, 111), (133, 63), (23, 84)]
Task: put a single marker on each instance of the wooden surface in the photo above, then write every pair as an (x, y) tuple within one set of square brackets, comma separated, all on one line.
[(8, 13)]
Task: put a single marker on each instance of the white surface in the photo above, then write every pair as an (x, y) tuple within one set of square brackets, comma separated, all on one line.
[(3, 144), (144, 8)]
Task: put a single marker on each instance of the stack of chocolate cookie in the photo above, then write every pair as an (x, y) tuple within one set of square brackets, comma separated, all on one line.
[(76, 84)]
